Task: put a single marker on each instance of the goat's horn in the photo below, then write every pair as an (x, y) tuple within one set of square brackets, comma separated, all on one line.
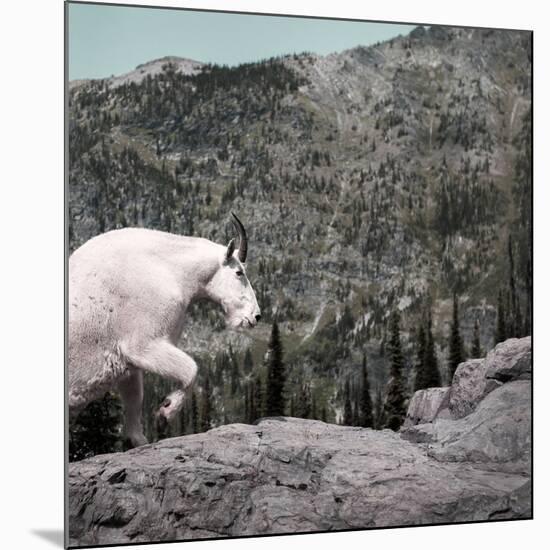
[(243, 241)]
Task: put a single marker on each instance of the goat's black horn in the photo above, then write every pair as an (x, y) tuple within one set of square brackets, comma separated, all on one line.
[(243, 241)]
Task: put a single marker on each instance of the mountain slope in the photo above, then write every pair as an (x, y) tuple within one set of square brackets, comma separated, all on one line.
[(379, 177)]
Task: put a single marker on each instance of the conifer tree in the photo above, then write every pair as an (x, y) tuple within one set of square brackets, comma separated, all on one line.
[(456, 347), (500, 334), (292, 411), (235, 373), (246, 403), (182, 421), (476, 351), (303, 402), (378, 410), (194, 413), (355, 412), (395, 406), (257, 399), (313, 414), (365, 401), (348, 413), (252, 412), (96, 429), (275, 402), (248, 363), (420, 376), (514, 318), (206, 405)]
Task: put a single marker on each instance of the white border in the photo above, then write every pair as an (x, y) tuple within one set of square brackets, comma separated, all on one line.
[(31, 302)]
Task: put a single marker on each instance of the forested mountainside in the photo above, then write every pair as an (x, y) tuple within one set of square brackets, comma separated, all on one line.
[(381, 178)]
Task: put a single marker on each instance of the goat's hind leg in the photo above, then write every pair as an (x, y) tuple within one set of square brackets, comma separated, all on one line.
[(130, 389), (163, 358)]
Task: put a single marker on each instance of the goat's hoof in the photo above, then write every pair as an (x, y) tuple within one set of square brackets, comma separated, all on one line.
[(162, 424)]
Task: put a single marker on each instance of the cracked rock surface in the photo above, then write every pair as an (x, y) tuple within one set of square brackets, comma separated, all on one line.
[(288, 475)]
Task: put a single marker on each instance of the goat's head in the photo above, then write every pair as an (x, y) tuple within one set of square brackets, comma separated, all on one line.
[(230, 286)]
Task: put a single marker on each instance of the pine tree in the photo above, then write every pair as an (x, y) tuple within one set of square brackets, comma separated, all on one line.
[(500, 334), (456, 347), (303, 402), (420, 378), (378, 410), (275, 402), (206, 405), (355, 411), (96, 430), (248, 363), (394, 406), (292, 411), (182, 421), (476, 351), (194, 413), (235, 373), (514, 319), (257, 399), (348, 413), (365, 401), (252, 414), (246, 403)]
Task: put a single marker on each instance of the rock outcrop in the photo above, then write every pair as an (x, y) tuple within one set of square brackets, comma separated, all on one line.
[(497, 434), (467, 388), (426, 405), (484, 417), (288, 475), (476, 378), (473, 380)]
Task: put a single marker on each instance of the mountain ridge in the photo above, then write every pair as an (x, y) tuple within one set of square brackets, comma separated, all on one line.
[(141, 71)]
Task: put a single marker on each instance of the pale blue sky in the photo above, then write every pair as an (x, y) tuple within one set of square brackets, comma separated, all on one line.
[(106, 40)]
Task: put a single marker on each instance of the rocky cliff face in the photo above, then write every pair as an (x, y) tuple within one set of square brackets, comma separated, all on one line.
[(288, 475)]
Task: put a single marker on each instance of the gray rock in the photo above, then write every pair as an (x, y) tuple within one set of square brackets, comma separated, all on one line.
[(510, 360), (283, 475), (288, 475), (467, 388), (425, 405), (497, 434), (476, 378)]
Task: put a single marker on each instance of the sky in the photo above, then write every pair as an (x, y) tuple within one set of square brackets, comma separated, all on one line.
[(111, 40)]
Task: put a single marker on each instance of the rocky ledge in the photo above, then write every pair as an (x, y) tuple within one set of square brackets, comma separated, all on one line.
[(463, 455)]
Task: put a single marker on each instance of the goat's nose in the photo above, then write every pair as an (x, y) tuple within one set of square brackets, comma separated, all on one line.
[(258, 317)]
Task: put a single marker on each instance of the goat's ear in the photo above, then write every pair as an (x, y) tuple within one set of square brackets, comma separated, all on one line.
[(230, 250)]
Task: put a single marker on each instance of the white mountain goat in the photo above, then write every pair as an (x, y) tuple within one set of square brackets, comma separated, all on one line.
[(129, 290)]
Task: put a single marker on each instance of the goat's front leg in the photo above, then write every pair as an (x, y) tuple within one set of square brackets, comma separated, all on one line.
[(161, 357)]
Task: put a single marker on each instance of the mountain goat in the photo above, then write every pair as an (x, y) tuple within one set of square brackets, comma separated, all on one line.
[(129, 290)]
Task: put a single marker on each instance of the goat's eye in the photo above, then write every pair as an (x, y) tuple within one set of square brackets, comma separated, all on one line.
[(239, 273)]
